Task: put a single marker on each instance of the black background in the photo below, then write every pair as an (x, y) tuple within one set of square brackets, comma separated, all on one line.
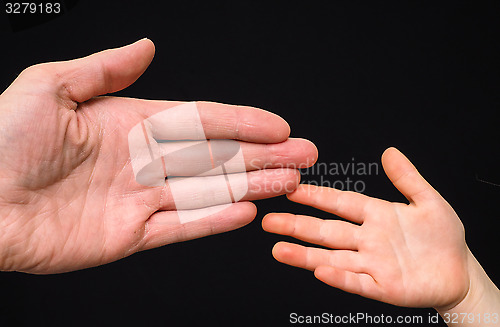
[(354, 77)]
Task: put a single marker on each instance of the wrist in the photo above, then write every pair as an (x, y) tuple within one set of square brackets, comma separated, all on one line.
[(480, 304)]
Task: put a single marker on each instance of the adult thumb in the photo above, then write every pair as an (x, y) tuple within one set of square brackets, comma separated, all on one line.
[(104, 72)]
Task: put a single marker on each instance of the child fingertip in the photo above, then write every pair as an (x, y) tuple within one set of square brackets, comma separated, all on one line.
[(276, 249), (265, 221)]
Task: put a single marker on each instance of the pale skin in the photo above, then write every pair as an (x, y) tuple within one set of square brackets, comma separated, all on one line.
[(68, 197), (411, 255)]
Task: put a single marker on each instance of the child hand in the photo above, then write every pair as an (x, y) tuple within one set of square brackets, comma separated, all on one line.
[(411, 255)]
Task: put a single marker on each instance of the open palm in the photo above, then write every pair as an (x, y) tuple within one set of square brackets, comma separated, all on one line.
[(405, 254), (68, 195)]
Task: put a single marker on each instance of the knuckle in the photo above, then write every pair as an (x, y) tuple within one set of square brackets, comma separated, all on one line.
[(44, 74), (39, 70)]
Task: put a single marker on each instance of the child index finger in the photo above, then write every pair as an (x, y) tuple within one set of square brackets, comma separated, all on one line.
[(346, 204)]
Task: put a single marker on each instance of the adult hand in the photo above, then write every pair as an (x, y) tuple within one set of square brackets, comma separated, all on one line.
[(69, 198)]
